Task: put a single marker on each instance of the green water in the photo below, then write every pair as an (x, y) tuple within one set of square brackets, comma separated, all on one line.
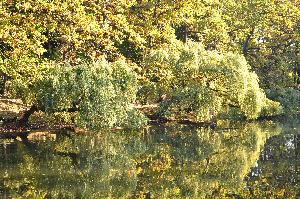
[(253, 160)]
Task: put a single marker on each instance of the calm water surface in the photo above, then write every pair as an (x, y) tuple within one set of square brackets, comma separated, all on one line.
[(253, 160)]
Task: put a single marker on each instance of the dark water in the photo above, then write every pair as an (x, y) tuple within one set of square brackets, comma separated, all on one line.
[(253, 160)]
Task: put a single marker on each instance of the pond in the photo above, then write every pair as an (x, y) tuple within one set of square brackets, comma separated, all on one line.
[(241, 160)]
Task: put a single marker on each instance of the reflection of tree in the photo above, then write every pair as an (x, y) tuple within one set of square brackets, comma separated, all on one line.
[(204, 162), (80, 166), (161, 162), (278, 172)]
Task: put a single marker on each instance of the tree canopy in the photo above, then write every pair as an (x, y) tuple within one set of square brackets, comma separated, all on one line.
[(204, 82), (228, 51)]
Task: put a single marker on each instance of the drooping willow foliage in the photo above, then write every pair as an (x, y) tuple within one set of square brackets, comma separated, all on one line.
[(100, 94), (204, 83)]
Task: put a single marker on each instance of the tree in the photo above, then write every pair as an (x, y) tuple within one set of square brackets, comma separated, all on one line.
[(70, 31), (101, 94), (266, 32), (203, 82)]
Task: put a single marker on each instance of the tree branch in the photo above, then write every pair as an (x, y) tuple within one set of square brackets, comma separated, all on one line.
[(23, 121)]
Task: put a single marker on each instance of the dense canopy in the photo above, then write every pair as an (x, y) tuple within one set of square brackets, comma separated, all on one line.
[(205, 82), (200, 58)]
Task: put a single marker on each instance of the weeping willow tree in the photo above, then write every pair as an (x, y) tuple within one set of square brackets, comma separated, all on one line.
[(203, 83), (93, 95)]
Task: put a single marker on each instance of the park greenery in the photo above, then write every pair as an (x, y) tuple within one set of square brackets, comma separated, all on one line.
[(96, 63)]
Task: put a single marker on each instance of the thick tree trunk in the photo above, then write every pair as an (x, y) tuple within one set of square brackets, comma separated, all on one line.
[(23, 121)]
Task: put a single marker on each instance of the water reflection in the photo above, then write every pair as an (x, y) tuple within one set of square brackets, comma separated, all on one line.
[(279, 169), (171, 161)]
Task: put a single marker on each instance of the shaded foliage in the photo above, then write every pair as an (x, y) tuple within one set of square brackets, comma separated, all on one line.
[(288, 97)]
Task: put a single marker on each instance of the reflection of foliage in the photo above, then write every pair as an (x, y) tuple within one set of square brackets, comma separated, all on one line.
[(85, 167), (163, 162), (277, 176), (204, 162), (26, 187)]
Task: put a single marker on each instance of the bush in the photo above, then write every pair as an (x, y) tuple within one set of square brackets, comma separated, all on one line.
[(200, 101)]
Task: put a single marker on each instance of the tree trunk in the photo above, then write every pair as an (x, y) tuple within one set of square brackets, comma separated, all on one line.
[(23, 121), (247, 41)]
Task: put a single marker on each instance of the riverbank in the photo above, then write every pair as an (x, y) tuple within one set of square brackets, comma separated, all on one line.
[(11, 110)]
